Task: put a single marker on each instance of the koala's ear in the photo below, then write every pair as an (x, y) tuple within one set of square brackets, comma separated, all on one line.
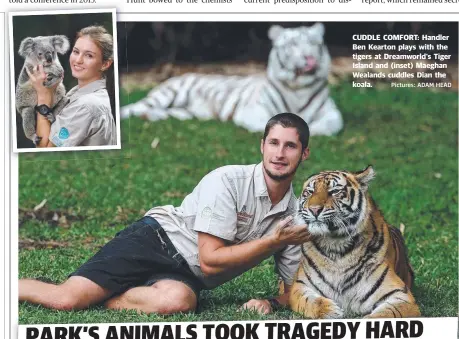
[(61, 43), (26, 47)]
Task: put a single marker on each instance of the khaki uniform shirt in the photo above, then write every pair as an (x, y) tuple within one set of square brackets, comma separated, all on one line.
[(231, 203), (86, 120)]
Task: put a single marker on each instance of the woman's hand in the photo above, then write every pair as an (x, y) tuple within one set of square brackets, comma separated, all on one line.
[(37, 77)]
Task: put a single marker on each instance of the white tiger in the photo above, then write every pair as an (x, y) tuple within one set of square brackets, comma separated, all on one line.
[(296, 81)]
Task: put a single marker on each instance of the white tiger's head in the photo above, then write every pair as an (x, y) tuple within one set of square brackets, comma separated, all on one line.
[(299, 56), (334, 202)]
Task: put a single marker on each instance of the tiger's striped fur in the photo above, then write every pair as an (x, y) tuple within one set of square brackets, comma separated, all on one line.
[(355, 261), (296, 82)]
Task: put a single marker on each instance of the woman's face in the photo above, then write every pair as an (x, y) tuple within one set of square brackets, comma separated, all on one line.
[(86, 61)]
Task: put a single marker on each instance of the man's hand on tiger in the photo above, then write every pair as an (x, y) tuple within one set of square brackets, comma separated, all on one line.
[(289, 234)]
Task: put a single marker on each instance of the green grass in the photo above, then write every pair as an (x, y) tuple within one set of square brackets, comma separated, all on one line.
[(410, 137)]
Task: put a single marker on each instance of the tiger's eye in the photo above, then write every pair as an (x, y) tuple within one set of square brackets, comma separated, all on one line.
[(308, 191)]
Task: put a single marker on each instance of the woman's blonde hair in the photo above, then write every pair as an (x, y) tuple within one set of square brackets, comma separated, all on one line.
[(101, 38), (104, 41)]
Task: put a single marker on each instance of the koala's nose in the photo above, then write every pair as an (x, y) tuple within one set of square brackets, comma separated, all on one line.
[(49, 57)]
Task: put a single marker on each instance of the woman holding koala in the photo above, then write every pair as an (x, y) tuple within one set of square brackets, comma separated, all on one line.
[(86, 119)]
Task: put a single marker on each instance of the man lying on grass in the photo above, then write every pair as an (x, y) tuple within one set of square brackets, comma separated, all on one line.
[(234, 219)]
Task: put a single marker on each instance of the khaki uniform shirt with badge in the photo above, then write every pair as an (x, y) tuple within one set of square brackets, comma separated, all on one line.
[(231, 203), (86, 120)]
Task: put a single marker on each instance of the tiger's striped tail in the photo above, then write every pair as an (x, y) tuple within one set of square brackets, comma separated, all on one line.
[(403, 266)]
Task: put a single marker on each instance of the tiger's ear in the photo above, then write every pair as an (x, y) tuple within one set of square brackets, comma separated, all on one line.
[(365, 176), (318, 28), (317, 32), (26, 47), (274, 31), (61, 43)]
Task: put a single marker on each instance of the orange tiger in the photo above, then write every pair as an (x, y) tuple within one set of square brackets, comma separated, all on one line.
[(355, 263)]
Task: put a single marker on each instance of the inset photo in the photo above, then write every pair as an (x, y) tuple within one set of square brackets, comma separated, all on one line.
[(64, 80)]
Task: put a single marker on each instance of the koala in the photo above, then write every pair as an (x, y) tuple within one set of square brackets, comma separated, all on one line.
[(40, 50)]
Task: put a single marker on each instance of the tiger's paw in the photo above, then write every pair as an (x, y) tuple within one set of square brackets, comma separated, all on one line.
[(324, 308), (394, 310), (379, 315)]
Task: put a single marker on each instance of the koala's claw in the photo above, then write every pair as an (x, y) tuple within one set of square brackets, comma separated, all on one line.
[(49, 82), (36, 139), (51, 118)]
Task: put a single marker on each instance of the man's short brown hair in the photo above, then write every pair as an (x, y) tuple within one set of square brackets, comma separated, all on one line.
[(290, 120)]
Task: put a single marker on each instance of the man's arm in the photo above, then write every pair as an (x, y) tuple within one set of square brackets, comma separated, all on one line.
[(216, 256)]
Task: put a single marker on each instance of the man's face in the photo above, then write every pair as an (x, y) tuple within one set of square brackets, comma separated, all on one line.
[(282, 152)]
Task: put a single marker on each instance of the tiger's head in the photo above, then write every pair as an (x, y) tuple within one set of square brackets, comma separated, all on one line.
[(334, 203), (299, 56)]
